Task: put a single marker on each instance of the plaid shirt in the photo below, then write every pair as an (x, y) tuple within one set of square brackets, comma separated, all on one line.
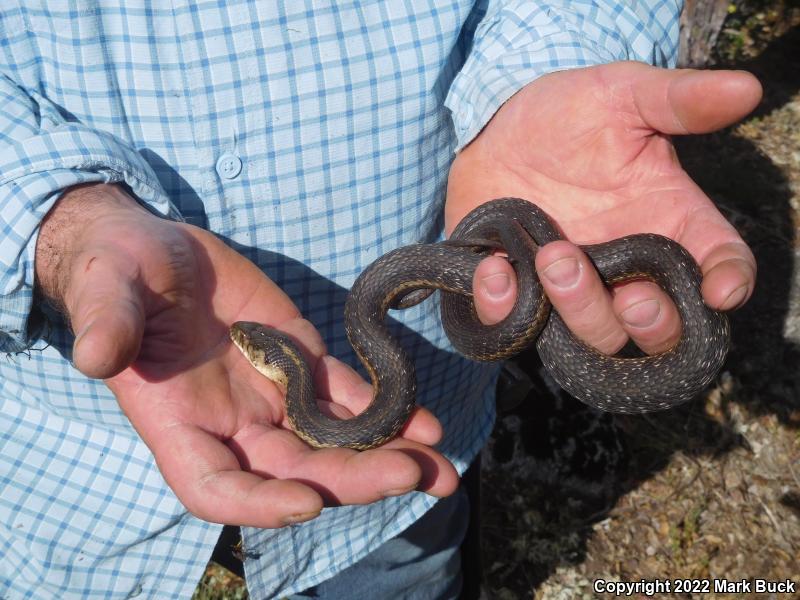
[(313, 136)]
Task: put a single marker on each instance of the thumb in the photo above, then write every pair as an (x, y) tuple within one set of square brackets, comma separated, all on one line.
[(687, 101), (106, 311)]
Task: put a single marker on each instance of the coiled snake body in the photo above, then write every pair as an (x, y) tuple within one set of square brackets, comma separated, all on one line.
[(407, 275)]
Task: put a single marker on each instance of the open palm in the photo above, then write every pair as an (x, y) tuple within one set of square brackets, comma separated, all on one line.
[(592, 148), (152, 301)]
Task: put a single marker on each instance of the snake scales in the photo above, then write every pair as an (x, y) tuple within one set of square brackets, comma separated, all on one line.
[(407, 275)]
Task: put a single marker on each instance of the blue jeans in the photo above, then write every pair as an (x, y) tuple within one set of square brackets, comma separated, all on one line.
[(422, 563)]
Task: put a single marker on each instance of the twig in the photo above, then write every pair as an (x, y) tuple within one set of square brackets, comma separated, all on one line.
[(771, 517)]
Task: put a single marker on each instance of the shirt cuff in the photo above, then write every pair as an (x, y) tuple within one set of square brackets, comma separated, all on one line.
[(33, 174), (525, 40)]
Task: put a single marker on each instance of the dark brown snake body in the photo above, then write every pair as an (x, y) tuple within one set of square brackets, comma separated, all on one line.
[(407, 275)]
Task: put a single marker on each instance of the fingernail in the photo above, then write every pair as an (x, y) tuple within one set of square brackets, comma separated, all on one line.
[(735, 298), (563, 273), (642, 314), (300, 518), (496, 285)]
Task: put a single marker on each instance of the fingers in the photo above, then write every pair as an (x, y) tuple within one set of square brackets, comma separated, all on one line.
[(494, 288), (438, 477), (640, 310), (688, 101), (343, 476), (599, 317), (208, 479), (106, 313), (606, 319), (267, 477), (579, 296), (727, 263), (729, 274), (347, 394), (647, 315)]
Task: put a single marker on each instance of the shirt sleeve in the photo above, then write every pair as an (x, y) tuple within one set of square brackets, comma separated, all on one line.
[(518, 41), (42, 153)]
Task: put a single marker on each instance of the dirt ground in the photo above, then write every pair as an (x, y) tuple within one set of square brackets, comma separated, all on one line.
[(705, 492)]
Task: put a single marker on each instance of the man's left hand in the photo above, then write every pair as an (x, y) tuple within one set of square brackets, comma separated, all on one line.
[(591, 147)]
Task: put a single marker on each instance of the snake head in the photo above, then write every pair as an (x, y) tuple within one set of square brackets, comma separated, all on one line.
[(242, 331)]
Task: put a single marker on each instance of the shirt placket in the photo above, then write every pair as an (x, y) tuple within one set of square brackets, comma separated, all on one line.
[(212, 79)]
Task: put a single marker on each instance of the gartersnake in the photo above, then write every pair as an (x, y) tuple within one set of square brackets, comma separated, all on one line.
[(407, 275)]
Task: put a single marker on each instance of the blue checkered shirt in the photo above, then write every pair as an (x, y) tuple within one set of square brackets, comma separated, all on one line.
[(312, 135)]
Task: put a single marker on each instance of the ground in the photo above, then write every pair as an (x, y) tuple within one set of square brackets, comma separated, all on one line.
[(710, 490)]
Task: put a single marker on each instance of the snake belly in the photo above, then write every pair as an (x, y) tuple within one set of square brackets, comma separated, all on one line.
[(407, 275)]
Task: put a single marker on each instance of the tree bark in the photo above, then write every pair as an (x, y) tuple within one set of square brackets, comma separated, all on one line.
[(701, 23)]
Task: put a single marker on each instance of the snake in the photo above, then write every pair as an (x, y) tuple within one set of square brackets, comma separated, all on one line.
[(406, 276)]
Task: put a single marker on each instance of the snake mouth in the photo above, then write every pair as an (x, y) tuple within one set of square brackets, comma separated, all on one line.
[(245, 335)]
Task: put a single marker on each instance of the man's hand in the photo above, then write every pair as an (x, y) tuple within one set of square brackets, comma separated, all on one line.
[(150, 302), (591, 147)]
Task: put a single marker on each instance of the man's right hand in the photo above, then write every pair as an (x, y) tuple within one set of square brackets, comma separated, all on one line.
[(150, 302)]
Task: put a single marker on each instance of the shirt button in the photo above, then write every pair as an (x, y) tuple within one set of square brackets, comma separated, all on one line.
[(229, 166)]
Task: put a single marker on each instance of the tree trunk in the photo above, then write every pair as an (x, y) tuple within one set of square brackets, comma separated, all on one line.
[(701, 23)]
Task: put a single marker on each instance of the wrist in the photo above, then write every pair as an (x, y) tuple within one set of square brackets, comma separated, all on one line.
[(66, 229)]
